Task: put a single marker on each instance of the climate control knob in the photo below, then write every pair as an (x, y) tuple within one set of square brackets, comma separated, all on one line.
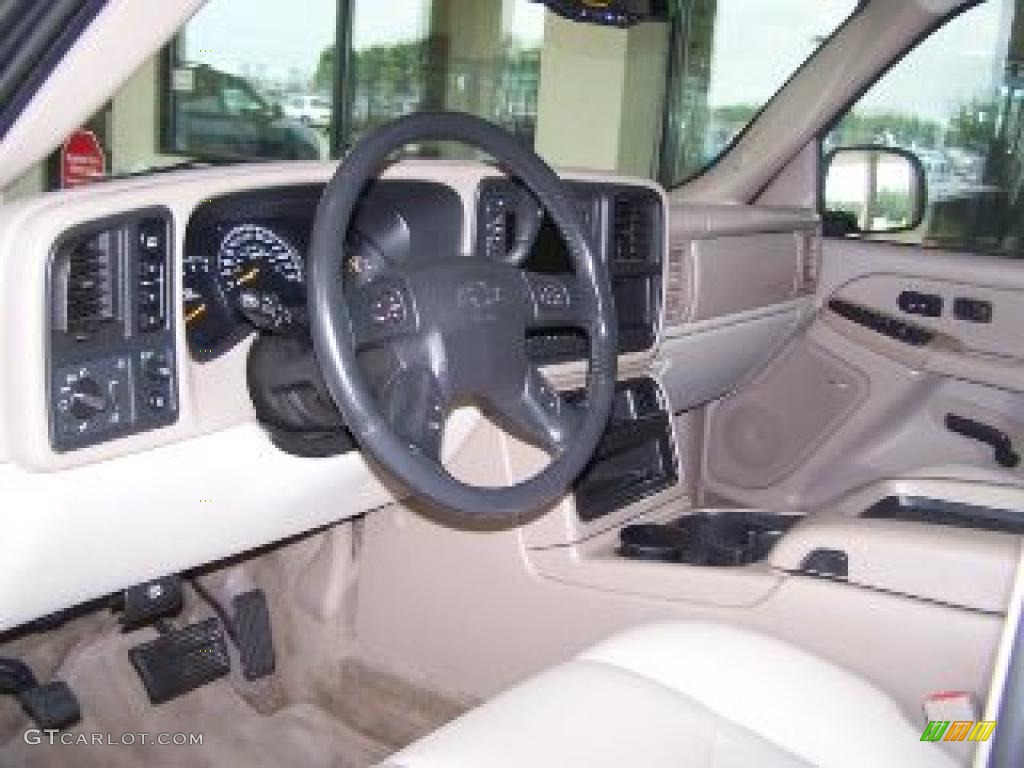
[(87, 399)]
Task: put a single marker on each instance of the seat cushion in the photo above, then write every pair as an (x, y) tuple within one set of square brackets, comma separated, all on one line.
[(684, 694)]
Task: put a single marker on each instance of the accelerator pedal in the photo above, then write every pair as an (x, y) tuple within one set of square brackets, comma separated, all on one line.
[(181, 660), (252, 635)]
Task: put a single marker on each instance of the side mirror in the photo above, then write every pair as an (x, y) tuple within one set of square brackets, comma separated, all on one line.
[(872, 190)]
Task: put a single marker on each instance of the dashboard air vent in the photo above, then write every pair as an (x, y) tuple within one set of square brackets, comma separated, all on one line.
[(88, 271), (633, 223), (810, 260), (677, 287)]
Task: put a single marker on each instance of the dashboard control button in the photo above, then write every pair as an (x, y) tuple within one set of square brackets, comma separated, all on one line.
[(152, 235), (157, 401), (87, 399), (150, 321), (157, 368)]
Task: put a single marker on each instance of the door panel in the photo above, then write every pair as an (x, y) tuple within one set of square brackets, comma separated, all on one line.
[(858, 398)]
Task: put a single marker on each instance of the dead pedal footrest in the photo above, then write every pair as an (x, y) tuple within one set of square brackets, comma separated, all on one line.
[(182, 660)]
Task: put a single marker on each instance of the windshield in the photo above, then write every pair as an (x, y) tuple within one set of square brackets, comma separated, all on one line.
[(734, 56), (252, 80)]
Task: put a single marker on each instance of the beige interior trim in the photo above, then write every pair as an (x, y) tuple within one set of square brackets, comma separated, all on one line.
[(514, 616), (739, 284), (979, 488), (954, 566)]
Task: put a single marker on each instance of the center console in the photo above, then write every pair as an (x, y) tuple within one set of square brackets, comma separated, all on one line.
[(111, 362)]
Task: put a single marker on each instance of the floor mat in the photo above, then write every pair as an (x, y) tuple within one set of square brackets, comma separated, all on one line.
[(353, 716)]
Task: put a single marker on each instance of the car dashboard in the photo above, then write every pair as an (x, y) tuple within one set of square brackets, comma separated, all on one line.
[(117, 314), (131, 310), (244, 263)]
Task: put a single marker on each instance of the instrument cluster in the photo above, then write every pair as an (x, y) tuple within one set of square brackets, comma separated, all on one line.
[(245, 254), (256, 277)]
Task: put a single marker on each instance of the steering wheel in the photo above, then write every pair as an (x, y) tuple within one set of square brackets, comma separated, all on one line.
[(456, 325)]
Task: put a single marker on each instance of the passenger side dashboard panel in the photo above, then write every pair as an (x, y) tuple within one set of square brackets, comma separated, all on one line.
[(739, 282)]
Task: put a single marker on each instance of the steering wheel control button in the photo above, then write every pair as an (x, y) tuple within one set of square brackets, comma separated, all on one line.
[(381, 310), (553, 296), (480, 300), (388, 306)]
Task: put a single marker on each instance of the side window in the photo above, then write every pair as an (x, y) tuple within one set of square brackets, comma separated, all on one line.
[(949, 114)]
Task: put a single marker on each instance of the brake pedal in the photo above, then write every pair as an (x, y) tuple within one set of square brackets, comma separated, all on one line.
[(182, 660), (253, 635)]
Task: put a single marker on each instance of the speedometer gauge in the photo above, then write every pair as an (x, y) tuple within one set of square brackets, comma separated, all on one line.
[(256, 258)]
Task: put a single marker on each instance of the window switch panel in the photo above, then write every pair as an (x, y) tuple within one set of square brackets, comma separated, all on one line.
[(922, 304)]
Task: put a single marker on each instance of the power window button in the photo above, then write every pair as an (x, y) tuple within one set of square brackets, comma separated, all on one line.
[(923, 304), (972, 310)]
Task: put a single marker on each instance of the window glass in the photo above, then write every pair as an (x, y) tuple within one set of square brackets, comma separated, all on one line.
[(731, 57), (479, 57), (268, 89), (248, 80), (241, 77), (955, 103)]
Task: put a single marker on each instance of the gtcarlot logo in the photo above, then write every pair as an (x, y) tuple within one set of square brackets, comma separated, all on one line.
[(66, 738)]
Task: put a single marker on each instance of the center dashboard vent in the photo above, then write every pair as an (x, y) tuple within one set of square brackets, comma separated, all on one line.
[(85, 299), (633, 228), (635, 263)]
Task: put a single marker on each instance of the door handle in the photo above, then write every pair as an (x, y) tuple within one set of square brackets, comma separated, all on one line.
[(1001, 443)]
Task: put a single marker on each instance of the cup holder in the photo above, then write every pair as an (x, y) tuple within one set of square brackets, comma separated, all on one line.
[(706, 538)]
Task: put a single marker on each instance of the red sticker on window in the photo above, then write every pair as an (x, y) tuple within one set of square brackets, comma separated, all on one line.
[(82, 160)]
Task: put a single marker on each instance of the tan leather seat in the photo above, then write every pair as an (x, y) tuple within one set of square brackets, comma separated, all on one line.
[(680, 695)]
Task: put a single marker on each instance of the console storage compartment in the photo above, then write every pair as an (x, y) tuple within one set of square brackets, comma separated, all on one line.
[(636, 456)]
